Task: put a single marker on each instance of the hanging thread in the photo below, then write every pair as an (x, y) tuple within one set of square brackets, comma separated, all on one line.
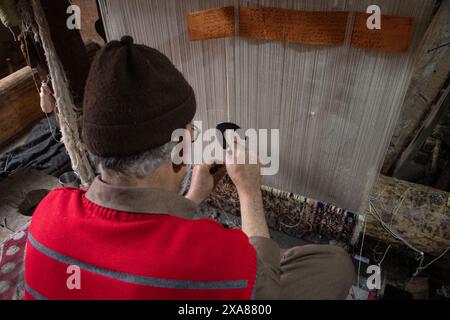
[(64, 101)]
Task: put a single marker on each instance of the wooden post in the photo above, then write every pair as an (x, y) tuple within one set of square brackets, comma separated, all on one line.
[(69, 47), (426, 129), (9, 66), (65, 87), (433, 69)]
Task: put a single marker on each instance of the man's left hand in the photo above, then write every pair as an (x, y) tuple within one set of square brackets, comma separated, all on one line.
[(203, 182)]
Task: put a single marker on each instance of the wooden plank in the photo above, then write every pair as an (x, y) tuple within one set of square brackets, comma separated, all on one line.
[(425, 131), (432, 71), (19, 104), (394, 35), (306, 27), (211, 24)]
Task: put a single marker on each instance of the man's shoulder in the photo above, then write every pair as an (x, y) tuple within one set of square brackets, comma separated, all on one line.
[(62, 193), (65, 190), (58, 198), (56, 210)]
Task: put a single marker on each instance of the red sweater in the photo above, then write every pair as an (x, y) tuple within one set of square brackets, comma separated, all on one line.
[(132, 256)]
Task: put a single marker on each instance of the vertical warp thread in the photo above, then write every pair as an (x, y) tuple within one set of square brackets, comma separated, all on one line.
[(336, 106)]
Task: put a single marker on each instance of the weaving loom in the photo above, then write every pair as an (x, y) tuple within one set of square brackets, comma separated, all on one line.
[(335, 106), (313, 70)]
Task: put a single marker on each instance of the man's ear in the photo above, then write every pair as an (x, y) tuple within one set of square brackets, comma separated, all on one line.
[(177, 167)]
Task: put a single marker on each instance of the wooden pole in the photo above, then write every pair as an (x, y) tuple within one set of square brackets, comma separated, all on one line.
[(419, 214), (66, 99), (69, 47)]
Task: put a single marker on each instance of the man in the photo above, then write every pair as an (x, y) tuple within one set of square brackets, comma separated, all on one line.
[(132, 236)]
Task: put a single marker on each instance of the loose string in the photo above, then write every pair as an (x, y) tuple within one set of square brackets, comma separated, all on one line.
[(36, 84), (420, 255)]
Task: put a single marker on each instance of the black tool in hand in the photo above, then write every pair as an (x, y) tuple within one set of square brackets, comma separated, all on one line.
[(223, 127)]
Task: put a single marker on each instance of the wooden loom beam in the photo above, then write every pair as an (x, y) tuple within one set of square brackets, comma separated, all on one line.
[(417, 213)]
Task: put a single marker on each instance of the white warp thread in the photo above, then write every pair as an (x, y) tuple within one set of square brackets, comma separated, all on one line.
[(336, 107)]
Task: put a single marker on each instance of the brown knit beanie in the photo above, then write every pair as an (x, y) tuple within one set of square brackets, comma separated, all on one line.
[(134, 99)]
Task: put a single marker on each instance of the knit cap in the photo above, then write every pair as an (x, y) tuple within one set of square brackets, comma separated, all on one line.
[(134, 99)]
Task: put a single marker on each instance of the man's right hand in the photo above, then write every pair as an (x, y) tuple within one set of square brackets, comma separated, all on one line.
[(246, 177)]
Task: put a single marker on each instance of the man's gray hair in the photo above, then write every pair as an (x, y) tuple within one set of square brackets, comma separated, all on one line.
[(135, 166)]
